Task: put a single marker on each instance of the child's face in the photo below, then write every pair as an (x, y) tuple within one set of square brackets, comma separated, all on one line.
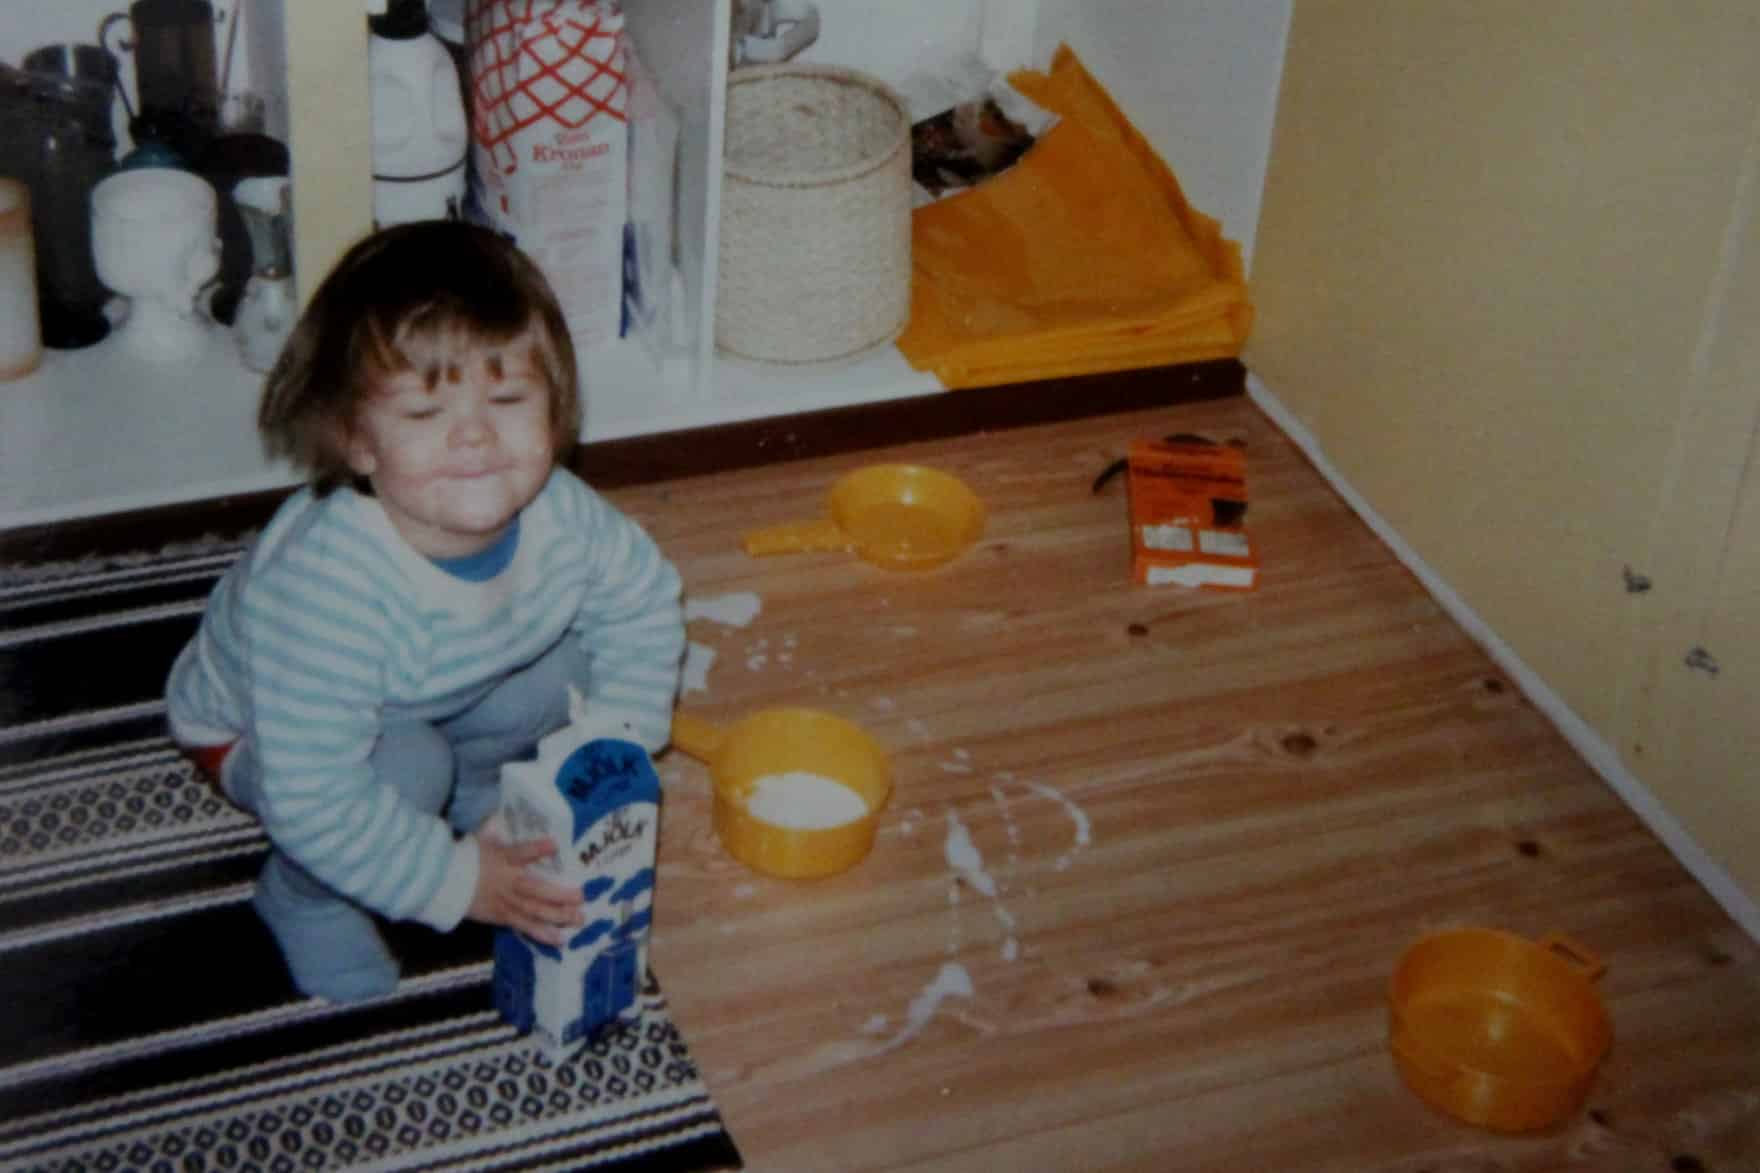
[(454, 462)]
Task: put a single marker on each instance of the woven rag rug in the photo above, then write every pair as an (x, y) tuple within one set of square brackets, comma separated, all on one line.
[(146, 1019)]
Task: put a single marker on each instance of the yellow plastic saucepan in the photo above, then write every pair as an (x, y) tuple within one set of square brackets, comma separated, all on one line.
[(900, 516), (1496, 1029), (781, 741)]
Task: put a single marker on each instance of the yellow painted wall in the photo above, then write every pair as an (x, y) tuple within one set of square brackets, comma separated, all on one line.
[(1489, 235), (1494, 273), (1693, 712), (330, 112)]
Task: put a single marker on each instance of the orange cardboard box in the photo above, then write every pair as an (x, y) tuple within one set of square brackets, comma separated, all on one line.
[(1187, 500)]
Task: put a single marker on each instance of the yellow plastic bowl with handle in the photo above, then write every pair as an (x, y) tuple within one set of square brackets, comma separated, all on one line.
[(899, 516), (780, 741), (1498, 1030)]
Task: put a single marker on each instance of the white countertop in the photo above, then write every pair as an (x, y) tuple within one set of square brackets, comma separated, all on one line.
[(97, 431)]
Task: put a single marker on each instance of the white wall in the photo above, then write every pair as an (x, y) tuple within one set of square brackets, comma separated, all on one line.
[(896, 38)]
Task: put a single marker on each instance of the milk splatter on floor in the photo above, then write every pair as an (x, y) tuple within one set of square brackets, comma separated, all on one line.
[(732, 610), (698, 659), (1078, 816), (963, 857), (951, 981)]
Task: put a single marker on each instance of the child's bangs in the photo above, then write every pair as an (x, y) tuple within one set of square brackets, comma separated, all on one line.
[(432, 342)]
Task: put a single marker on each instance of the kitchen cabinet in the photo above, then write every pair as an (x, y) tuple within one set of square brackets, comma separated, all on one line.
[(1200, 81)]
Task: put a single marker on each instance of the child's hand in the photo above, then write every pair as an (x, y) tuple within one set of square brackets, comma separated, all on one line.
[(508, 894)]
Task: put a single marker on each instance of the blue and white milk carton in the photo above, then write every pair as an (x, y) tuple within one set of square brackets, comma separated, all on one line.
[(598, 799)]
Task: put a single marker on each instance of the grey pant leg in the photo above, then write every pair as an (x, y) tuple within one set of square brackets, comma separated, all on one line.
[(507, 723), (412, 756), (331, 944)]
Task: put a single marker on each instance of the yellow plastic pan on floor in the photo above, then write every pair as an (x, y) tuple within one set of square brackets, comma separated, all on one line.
[(899, 516), (781, 741), (1498, 1030)]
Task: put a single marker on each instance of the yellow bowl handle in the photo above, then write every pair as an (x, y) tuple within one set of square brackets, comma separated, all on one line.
[(695, 736), (795, 537), (1574, 952)]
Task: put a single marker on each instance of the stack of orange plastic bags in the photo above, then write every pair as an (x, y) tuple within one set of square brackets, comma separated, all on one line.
[(1083, 257)]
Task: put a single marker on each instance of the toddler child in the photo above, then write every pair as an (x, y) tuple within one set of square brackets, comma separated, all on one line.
[(412, 618)]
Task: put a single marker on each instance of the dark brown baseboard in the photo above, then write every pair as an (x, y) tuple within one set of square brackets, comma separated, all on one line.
[(695, 452)]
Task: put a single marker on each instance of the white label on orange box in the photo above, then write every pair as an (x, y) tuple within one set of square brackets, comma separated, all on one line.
[(1168, 537), (1195, 574), (1223, 543)]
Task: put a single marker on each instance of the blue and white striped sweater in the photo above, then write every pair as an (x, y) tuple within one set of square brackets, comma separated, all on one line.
[(331, 624)]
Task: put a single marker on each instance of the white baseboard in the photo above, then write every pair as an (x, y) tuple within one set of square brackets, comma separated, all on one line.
[(1595, 750)]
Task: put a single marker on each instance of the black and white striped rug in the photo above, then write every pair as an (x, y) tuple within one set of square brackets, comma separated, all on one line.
[(146, 1020)]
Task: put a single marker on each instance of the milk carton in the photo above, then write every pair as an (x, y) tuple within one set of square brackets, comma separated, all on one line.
[(598, 799), (549, 146)]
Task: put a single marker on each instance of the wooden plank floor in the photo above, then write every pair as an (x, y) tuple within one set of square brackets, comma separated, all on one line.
[(1210, 824)]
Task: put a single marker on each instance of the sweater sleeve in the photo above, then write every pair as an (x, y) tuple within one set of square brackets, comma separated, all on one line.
[(318, 639), (630, 618)]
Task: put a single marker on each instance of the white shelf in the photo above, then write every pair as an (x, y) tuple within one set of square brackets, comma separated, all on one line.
[(91, 434), (92, 431), (627, 395)]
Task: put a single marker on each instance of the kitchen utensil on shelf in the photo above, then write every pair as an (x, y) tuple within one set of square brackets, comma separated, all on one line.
[(267, 311), (775, 742), (232, 158), (88, 78), (177, 84), (768, 31), (52, 138), (1496, 1029), (899, 516)]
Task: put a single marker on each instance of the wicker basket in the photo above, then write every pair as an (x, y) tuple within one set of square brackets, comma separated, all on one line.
[(815, 260)]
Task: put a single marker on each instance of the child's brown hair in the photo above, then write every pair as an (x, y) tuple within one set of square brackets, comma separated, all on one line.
[(408, 297)]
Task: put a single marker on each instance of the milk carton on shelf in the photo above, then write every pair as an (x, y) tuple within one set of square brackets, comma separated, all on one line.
[(598, 799), (549, 146)]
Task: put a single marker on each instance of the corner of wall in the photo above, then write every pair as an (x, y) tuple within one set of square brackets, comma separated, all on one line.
[(1601, 757)]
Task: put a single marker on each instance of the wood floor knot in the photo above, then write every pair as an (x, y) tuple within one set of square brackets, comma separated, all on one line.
[(1300, 744)]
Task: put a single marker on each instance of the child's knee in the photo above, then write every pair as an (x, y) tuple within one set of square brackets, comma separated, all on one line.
[(529, 703), (416, 758)]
